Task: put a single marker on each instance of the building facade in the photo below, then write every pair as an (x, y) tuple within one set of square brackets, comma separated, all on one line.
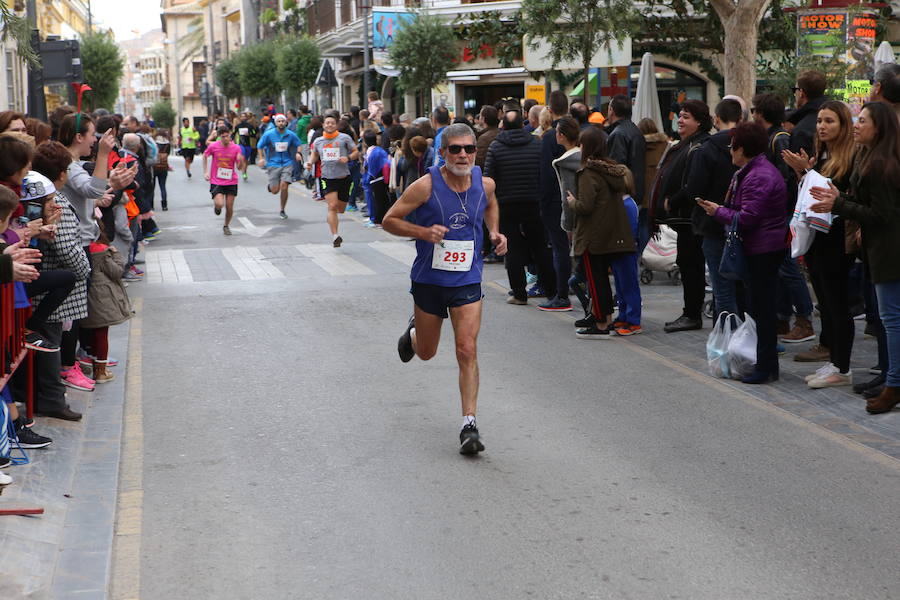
[(478, 78), (151, 80)]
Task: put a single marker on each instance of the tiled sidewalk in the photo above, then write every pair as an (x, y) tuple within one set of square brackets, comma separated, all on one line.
[(65, 553), (836, 409)]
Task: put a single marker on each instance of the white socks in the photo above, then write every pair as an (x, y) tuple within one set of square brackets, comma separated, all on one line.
[(468, 419)]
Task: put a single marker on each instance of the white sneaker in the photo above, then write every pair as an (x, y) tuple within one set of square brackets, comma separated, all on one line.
[(836, 379), (823, 371), (5, 479)]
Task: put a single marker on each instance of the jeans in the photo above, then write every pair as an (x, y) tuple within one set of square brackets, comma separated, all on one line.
[(724, 291), (874, 322), (690, 263), (521, 224), (643, 231), (161, 177), (551, 214), (793, 293), (889, 308), (355, 176), (763, 273), (628, 290)]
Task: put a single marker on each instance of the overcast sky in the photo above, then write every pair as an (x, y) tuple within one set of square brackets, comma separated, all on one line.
[(125, 16)]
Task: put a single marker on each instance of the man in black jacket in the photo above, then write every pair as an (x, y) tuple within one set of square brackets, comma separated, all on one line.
[(626, 143), (708, 178), (551, 210), (513, 161), (810, 95)]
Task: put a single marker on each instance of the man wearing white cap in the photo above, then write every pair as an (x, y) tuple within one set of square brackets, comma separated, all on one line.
[(279, 145)]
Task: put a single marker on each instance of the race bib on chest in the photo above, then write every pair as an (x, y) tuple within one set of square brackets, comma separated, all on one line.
[(331, 154), (281, 146), (244, 131), (453, 255), (223, 173)]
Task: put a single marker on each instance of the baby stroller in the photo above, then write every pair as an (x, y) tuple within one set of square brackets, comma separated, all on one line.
[(659, 256)]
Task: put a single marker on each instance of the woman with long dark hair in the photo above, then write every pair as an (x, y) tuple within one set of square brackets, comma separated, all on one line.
[(602, 231), (874, 201), (827, 258)]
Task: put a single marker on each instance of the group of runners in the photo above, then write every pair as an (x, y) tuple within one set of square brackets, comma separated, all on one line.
[(279, 147), (449, 207)]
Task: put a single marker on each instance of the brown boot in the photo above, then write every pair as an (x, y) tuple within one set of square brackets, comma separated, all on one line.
[(101, 374), (817, 353), (802, 332), (889, 398)]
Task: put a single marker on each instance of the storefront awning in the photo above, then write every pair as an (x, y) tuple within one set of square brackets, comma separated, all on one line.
[(451, 75), (579, 89)]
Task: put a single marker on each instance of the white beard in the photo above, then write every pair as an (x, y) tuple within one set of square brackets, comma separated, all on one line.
[(459, 171)]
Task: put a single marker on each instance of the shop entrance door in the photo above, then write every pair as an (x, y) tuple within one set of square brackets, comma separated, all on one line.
[(476, 96)]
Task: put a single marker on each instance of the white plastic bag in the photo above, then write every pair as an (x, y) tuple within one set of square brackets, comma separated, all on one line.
[(802, 235), (717, 344), (661, 250), (742, 350)]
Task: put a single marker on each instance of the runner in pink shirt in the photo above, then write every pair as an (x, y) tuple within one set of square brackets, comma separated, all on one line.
[(223, 180)]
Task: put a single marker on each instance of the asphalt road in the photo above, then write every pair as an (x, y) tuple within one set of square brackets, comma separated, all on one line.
[(288, 453)]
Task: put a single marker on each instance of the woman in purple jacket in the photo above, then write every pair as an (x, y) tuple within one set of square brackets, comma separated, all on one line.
[(758, 197)]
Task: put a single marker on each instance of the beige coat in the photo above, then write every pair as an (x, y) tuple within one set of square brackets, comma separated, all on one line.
[(108, 303)]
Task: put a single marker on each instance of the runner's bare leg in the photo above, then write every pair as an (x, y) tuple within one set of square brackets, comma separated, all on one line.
[(466, 322)]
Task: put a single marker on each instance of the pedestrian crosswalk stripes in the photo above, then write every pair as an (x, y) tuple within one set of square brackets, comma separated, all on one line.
[(249, 263), (167, 266), (404, 253), (243, 263), (332, 261)]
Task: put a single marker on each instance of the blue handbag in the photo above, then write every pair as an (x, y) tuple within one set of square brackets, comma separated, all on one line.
[(734, 263)]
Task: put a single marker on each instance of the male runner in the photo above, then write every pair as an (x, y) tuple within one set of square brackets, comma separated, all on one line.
[(188, 141), (279, 146), (334, 149), (452, 202), (246, 130), (223, 180)]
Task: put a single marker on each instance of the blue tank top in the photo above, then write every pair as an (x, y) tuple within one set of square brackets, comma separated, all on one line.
[(462, 214)]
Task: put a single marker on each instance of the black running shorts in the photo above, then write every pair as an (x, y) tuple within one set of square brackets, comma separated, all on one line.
[(227, 190), (437, 299), (342, 186)]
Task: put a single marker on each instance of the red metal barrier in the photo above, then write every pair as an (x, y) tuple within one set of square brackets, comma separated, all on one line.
[(12, 343)]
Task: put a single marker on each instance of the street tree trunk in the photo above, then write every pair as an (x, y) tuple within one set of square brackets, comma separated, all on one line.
[(740, 20), (586, 92)]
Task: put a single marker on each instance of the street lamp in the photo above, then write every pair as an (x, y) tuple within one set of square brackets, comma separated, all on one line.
[(365, 5)]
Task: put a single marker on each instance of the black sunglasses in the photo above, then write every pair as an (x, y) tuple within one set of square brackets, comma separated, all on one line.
[(456, 148), (794, 89)]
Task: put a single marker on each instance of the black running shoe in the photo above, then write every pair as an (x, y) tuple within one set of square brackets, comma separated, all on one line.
[(217, 210), (5, 461), (404, 344), (30, 439), (469, 440), (34, 341), (337, 242), (588, 321)]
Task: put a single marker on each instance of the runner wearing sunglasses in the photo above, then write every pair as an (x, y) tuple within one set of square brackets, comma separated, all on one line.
[(452, 202)]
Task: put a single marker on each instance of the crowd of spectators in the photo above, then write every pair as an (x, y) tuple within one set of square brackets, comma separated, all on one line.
[(76, 207), (580, 192)]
